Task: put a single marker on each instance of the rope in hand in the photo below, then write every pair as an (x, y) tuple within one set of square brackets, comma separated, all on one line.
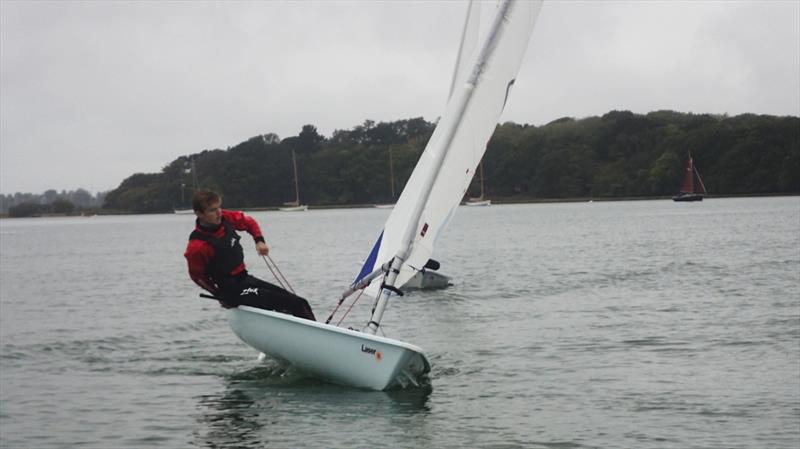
[(284, 283)]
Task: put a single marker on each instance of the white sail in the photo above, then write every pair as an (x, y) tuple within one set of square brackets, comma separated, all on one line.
[(461, 138)]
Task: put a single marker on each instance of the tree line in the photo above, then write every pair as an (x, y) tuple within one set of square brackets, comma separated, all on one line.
[(50, 202), (619, 154)]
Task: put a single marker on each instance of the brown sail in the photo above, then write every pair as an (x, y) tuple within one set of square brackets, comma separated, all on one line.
[(692, 188)]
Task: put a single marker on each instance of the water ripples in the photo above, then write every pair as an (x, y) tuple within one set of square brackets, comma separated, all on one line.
[(599, 329)]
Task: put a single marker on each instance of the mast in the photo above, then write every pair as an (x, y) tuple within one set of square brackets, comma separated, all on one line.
[(194, 177), (700, 180), (481, 180), (452, 123), (296, 188), (391, 172), (469, 37), (688, 177)]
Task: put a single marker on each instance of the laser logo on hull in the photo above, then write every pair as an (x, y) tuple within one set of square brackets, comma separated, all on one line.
[(368, 350)]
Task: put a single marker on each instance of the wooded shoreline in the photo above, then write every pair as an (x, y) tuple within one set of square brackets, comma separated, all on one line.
[(618, 156), (495, 201)]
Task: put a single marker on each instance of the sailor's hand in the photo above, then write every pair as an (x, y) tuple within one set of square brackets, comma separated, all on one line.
[(262, 249), (225, 304)]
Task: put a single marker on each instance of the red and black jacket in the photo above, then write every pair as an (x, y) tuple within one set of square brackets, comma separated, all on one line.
[(214, 255)]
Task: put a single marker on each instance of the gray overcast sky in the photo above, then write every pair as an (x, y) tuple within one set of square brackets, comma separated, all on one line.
[(92, 92)]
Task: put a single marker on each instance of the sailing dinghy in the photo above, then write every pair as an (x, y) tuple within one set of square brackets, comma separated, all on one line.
[(433, 192)]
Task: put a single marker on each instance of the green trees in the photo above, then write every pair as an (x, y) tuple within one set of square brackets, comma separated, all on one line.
[(620, 154), (24, 210), (59, 206)]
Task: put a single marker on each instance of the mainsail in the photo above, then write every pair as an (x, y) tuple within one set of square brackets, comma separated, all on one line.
[(447, 165), (692, 183)]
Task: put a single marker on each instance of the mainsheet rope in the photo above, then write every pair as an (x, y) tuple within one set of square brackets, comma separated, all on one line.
[(348, 309), (284, 283)]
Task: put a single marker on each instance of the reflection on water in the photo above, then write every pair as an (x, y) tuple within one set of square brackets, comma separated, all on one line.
[(261, 405), (228, 420)]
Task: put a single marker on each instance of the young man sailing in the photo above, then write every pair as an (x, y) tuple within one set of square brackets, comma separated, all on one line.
[(216, 260)]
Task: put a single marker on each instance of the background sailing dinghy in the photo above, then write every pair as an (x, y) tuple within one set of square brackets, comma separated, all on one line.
[(427, 279), (431, 195)]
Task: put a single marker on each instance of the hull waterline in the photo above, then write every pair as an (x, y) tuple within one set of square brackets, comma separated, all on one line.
[(688, 197), (302, 208), (478, 203)]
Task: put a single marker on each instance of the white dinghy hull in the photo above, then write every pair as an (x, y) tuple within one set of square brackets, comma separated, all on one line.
[(427, 280), (338, 355), (301, 208)]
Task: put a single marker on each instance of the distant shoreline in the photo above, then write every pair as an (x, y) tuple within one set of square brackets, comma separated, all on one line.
[(507, 200), (495, 201)]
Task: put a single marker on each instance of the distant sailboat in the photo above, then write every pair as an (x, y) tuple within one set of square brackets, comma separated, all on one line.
[(692, 188), (187, 210), (479, 201), (391, 183), (294, 206), (428, 279)]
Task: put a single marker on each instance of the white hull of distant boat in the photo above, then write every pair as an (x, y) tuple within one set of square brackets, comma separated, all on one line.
[(300, 208), (339, 355), (478, 203), (183, 211), (427, 280), (384, 206)]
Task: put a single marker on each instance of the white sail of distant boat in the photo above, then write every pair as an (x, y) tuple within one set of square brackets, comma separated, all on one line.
[(435, 188), (187, 210), (294, 206)]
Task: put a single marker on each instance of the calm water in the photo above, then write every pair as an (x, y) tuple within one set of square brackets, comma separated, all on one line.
[(643, 324)]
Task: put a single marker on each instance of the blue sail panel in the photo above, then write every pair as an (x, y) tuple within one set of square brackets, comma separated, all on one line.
[(369, 264)]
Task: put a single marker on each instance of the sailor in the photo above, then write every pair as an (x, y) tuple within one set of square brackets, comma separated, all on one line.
[(216, 260)]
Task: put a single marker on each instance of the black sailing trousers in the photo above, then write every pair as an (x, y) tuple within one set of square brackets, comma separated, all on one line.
[(251, 291)]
